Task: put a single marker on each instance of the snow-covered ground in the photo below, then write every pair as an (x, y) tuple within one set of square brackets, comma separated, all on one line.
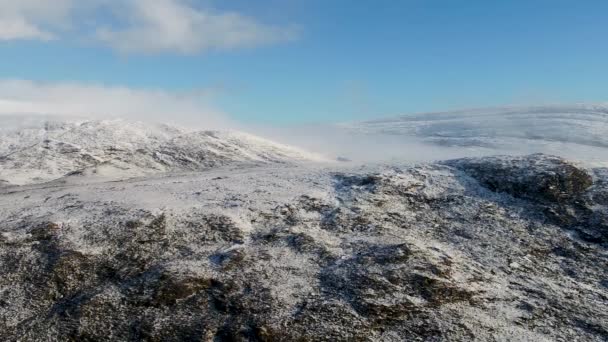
[(491, 249), (115, 230)]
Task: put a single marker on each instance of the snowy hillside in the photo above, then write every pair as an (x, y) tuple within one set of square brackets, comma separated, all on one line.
[(257, 238), (52, 150), (577, 131), (491, 249)]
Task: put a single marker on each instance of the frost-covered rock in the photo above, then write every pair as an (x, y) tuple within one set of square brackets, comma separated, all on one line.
[(536, 177), (309, 253), (558, 188)]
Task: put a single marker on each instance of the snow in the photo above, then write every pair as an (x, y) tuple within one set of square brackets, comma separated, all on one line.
[(125, 149), (364, 250), (577, 132)]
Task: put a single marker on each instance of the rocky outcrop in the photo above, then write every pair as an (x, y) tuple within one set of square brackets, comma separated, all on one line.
[(467, 250), (561, 190), (536, 177)]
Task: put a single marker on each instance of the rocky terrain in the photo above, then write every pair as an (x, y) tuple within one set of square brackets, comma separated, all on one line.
[(487, 249)]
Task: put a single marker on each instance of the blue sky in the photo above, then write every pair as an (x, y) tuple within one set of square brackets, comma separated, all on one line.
[(299, 61)]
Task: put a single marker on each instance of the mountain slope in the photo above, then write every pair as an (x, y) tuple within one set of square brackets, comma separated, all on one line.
[(118, 147), (491, 249)]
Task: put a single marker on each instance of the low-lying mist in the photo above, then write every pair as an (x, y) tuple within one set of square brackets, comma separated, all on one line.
[(577, 132)]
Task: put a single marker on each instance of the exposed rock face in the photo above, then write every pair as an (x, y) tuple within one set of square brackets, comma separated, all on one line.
[(557, 187), (535, 177), (472, 249)]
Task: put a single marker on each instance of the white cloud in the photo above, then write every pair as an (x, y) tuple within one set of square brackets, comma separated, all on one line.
[(19, 28), (137, 26), (172, 25), (33, 19), (27, 98)]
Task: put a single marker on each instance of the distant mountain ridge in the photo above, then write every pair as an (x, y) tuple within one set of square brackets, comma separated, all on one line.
[(581, 124), (54, 149)]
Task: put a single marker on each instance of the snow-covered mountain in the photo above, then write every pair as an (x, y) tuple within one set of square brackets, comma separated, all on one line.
[(582, 124), (574, 131), (51, 150)]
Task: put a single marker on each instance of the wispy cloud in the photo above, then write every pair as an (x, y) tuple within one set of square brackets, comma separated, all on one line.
[(27, 98), (34, 19), (19, 28), (171, 25), (138, 26)]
